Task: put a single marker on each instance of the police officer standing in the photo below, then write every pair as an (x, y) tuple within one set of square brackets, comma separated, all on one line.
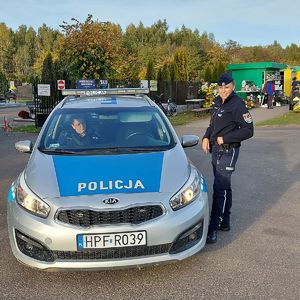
[(230, 124)]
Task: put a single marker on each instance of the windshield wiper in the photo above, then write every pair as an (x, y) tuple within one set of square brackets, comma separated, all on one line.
[(57, 150), (121, 150), (146, 149)]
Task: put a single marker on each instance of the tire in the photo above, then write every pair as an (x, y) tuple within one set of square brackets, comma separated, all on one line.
[(171, 110)]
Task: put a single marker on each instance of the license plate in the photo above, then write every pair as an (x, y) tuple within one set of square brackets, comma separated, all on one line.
[(111, 240)]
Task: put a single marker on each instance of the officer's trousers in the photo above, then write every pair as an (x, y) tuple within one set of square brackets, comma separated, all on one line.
[(223, 162)]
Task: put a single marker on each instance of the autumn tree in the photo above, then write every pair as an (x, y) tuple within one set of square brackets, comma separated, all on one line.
[(93, 49)]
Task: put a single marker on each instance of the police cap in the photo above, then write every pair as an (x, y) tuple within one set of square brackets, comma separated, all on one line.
[(225, 79)]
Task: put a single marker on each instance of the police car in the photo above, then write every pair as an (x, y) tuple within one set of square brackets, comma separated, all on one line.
[(107, 185)]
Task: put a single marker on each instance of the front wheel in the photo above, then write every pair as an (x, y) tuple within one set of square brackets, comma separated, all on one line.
[(171, 109)]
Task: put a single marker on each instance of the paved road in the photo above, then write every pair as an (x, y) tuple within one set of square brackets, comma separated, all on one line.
[(258, 259)]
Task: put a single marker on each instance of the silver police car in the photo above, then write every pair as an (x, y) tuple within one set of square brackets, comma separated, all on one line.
[(108, 185)]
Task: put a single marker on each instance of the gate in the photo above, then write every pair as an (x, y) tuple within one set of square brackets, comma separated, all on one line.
[(46, 95)]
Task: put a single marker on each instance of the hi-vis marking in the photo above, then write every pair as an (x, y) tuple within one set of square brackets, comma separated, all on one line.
[(110, 185)]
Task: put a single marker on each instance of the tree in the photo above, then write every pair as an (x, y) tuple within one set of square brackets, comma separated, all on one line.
[(150, 73), (3, 83), (7, 50), (207, 74), (48, 69), (180, 66), (24, 57), (93, 49)]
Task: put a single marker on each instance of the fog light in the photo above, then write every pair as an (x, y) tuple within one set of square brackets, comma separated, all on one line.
[(32, 248), (188, 239), (28, 247), (192, 236)]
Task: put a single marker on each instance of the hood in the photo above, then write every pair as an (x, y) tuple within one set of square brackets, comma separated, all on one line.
[(51, 176)]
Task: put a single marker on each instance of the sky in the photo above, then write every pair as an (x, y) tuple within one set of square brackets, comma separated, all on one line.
[(249, 23)]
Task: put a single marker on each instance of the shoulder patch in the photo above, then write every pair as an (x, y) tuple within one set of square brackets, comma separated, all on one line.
[(247, 117)]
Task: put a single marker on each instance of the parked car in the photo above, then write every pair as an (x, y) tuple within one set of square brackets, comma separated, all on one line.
[(107, 185)]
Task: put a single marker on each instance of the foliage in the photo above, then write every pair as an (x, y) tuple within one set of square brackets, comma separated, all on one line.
[(210, 91), (150, 73), (95, 49), (47, 69), (250, 104), (3, 83)]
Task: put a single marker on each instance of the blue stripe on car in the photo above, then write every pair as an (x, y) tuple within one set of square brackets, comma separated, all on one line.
[(128, 173)]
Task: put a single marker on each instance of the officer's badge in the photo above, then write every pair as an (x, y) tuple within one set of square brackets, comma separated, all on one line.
[(247, 117)]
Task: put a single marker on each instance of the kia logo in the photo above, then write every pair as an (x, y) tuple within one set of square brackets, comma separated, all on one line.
[(110, 201)]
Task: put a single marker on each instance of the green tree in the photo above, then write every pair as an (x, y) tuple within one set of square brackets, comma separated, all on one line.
[(150, 73), (48, 69), (3, 83), (207, 74), (25, 55), (180, 66), (7, 50)]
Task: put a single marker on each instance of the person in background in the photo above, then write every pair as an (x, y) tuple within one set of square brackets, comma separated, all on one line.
[(269, 91), (230, 124)]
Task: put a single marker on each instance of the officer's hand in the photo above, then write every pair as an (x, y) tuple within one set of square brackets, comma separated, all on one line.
[(220, 140), (205, 145)]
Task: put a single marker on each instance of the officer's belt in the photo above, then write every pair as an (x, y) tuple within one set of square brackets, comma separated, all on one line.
[(228, 146)]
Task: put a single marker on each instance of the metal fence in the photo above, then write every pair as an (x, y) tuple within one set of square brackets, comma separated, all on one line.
[(178, 91)]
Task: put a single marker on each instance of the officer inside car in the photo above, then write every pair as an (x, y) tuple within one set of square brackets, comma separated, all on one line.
[(77, 135), (230, 124)]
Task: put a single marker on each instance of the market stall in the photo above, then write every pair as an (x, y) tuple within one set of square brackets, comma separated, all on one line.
[(251, 77)]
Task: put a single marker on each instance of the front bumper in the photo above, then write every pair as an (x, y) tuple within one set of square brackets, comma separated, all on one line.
[(49, 245)]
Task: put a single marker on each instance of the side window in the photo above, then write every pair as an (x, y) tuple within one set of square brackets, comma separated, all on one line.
[(51, 135), (161, 129)]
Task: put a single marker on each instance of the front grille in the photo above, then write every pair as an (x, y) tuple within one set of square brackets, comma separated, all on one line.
[(112, 253), (133, 215)]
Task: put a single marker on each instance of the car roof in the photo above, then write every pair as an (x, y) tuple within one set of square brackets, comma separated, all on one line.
[(106, 101)]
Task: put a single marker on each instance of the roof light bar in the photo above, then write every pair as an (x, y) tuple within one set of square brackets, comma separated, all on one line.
[(116, 91)]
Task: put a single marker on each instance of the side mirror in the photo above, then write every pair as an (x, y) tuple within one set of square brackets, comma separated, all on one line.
[(24, 146), (189, 140)]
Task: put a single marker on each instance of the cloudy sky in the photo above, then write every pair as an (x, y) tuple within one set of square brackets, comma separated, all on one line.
[(254, 22)]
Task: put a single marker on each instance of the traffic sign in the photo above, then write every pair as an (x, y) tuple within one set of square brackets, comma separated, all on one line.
[(60, 84)]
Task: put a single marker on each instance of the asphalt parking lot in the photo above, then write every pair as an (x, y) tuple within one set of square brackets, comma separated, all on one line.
[(258, 259)]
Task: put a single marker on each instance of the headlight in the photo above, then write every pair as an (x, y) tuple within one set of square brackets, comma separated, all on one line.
[(188, 193), (32, 203)]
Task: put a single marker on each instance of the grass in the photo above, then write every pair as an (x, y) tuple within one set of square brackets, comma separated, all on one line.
[(186, 117), (27, 129), (291, 118)]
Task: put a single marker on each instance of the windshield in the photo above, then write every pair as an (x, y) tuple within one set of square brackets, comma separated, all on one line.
[(106, 130)]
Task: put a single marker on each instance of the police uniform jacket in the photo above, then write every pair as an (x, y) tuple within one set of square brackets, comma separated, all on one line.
[(230, 120)]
